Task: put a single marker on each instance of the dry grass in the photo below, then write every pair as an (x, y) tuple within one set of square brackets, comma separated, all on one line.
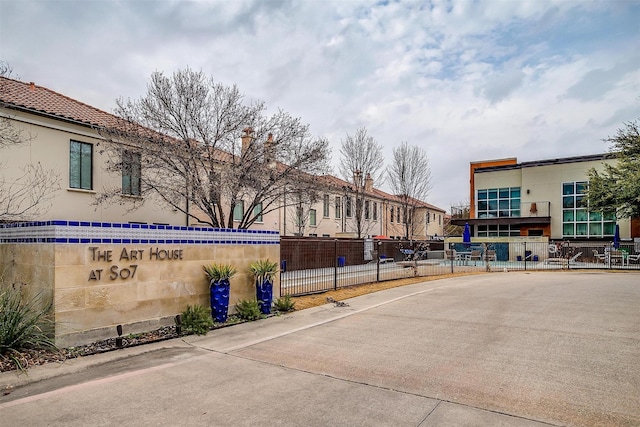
[(308, 301)]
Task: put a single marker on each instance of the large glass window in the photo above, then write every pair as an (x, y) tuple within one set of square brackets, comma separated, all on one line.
[(495, 230), (131, 165), (338, 207), (367, 212), (375, 211), (81, 165), (347, 207), (499, 202), (577, 221)]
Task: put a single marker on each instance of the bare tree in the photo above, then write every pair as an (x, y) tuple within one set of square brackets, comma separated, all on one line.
[(461, 210), (29, 194), (205, 152), (410, 180), (361, 158)]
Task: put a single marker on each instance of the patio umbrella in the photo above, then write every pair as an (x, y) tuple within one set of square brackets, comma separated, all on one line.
[(616, 237), (466, 235), (380, 237)]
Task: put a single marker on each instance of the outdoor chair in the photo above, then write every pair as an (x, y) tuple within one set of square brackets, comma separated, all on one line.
[(475, 255), (634, 258), (450, 254), (491, 255), (599, 256), (565, 261)]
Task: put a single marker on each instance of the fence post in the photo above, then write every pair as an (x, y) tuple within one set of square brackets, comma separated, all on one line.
[(377, 252), (452, 257), (524, 255), (335, 264)]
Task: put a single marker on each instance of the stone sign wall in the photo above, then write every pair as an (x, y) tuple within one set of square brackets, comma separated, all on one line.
[(101, 275)]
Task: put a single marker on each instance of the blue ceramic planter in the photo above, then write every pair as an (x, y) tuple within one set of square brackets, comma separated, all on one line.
[(219, 292), (264, 295)]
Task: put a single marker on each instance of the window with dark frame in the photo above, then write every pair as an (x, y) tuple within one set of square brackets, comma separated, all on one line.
[(238, 210), (131, 169), (257, 212), (80, 165), (338, 207), (325, 206)]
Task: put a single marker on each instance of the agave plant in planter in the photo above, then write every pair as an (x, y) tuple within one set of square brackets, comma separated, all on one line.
[(264, 272), (219, 275)]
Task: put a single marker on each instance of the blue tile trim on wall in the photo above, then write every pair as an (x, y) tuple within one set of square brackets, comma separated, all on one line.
[(83, 232)]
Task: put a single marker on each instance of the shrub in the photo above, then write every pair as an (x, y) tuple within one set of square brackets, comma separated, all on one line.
[(196, 319), (248, 309), (24, 323), (285, 303)]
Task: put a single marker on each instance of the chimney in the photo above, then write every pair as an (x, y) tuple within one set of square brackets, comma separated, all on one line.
[(368, 183), (32, 86), (246, 139)]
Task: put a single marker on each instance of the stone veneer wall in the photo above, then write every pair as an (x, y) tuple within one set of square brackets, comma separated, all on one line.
[(101, 275)]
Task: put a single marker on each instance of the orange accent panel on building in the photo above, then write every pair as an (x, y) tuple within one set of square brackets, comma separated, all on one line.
[(482, 164)]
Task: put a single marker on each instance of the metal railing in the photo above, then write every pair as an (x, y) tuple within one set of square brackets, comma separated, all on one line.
[(335, 264)]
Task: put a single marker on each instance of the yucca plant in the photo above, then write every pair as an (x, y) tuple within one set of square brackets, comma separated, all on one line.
[(25, 323), (263, 269), (217, 272)]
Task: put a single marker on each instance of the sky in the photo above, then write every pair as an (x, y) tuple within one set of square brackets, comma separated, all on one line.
[(463, 80)]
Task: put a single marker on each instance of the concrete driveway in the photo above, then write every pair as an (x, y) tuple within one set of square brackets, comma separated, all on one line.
[(502, 349)]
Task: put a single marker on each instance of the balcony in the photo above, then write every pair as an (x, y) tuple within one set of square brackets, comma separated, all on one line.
[(538, 212)]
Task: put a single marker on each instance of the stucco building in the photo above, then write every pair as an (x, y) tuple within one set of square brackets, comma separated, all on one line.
[(61, 137), (540, 198)]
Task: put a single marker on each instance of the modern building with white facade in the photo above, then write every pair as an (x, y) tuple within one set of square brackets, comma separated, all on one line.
[(540, 198)]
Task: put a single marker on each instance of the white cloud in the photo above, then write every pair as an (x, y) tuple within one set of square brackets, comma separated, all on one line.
[(465, 80)]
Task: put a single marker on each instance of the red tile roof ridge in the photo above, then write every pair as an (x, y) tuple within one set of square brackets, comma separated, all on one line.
[(30, 96)]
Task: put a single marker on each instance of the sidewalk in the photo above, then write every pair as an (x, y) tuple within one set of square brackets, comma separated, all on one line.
[(497, 349), (222, 340)]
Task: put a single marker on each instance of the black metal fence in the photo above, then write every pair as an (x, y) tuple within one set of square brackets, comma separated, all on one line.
[(318, 265)]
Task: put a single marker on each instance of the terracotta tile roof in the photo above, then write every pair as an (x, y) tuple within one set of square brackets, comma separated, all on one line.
[(31, 97), (40, 100)]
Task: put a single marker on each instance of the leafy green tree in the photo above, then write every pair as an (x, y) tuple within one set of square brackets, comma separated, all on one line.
[(617, 187)]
